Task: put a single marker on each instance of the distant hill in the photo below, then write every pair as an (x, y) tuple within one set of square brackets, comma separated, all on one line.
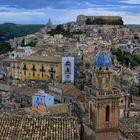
[(134, 27), (11, 30)]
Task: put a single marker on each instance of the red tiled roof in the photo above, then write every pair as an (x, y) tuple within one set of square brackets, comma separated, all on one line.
[(38, 128)]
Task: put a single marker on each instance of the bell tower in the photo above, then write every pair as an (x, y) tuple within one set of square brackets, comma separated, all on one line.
[(105, 97)]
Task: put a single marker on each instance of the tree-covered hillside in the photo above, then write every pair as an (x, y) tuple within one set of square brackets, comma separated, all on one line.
[(5, 47), (11, 30), (134, 27), (100, 21)]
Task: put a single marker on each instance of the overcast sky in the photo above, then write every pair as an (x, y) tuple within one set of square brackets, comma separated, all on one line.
[(61, 11)]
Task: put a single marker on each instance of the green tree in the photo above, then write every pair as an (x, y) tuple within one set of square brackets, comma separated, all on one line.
[(23, 42), (126, 58), (88, 21), (32, 43), (5, 47)]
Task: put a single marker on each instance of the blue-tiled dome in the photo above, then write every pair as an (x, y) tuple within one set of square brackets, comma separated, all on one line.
[(102, 60)]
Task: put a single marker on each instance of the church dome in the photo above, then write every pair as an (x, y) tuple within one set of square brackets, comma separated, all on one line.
[(102, 60)]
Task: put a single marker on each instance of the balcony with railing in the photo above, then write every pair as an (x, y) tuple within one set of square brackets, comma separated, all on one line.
[(52, 71), (42, 70), (33, 69), (24, 68)]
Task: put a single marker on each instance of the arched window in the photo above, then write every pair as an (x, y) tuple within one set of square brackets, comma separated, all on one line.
[(68, 63), (107, 68), (100, 68), (68, 70), (91, 115), (107, 114)]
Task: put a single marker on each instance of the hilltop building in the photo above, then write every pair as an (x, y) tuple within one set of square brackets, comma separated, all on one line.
[(81, 19)]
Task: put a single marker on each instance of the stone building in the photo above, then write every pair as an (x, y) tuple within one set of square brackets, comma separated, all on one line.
[(104, 98), (81, 19), (105, 102)]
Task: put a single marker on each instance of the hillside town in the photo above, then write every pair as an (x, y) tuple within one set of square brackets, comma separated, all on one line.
[(75, 81)]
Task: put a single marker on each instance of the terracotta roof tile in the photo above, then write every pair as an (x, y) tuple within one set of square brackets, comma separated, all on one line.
[(38, 128), (41, 58)]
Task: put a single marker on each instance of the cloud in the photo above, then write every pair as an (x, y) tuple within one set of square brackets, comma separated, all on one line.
[(131, 1), (41, 15), (56, 4)]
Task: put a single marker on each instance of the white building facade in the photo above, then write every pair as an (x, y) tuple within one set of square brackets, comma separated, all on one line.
[(68, 69), (20, 52)]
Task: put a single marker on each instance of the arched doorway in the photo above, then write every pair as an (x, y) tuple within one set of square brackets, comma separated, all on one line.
[(107, 114), (91, 113)]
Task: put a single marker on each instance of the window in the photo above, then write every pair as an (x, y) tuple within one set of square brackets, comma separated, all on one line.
[(68, 70), (33, 74), (64, 100), (42, 68), (121, 101), (33, 66), (51, 69), (68, 63), (24, 67), (100, 68), (24, 72), (37, 101), (51, 76), (107, 114), (107, 68), (91, 117)]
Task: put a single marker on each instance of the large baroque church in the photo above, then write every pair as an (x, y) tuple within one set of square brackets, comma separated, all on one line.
[(105, 103)]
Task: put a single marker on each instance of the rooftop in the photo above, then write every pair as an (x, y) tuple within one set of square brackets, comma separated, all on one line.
[(25, 90), (40, 110), (68, 90), (41, 59), (130, 128), (39, 128)]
